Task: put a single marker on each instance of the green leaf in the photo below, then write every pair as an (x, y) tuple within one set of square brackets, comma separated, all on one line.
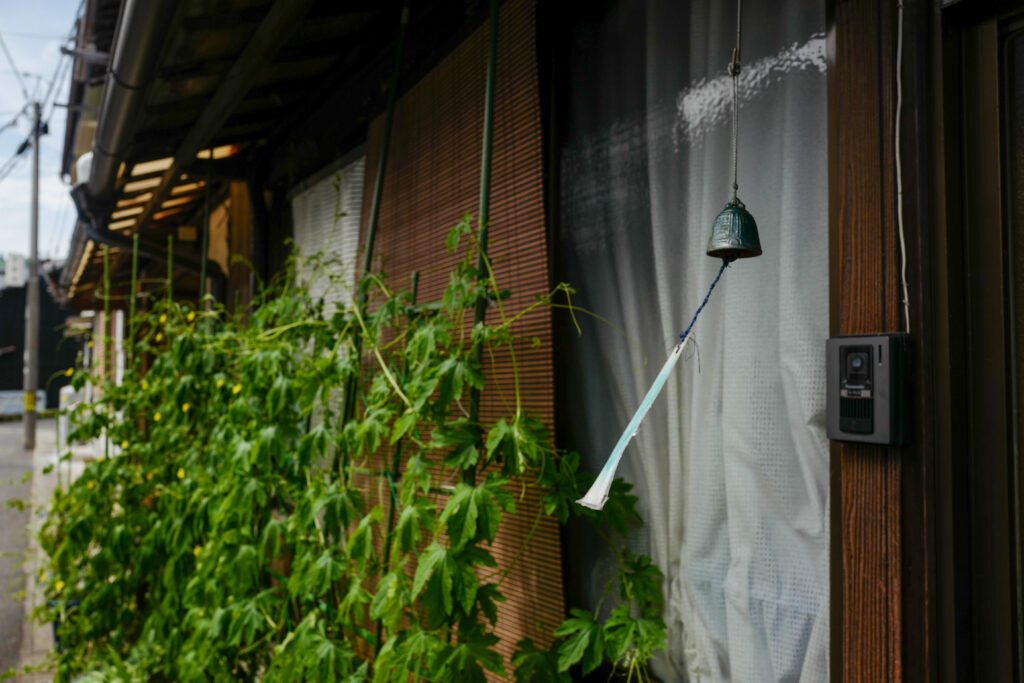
[(487, 596), (360, 543), (457, 372), (640, 636), (415, 478), (468, 659), (436, 560), (521, 445), (324, 571), (413, 519), (473, 513), (536, 666), (403, 424), (463, 227), (459, 437), (584, 641), (314, 445), (354, 596), (640, 582), (404, 654), (340, 506), (246, 621), (390, 599)]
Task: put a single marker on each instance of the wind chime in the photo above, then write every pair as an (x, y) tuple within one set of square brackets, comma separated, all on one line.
[(733, 236)]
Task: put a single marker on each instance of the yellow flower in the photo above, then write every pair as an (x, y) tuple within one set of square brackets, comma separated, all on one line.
[(145, 385), (159, 336), (163, 318), (181, 473), (185, 407), (90, 343), (69, 372), (91, 484), (124, 444), (59, 586), (198, 549), (220, 382), (191, 316), (156, 417), (132, 606), (235, 389)]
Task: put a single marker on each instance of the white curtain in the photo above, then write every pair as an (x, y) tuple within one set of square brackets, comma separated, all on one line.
[(731, 466), (325, 221)]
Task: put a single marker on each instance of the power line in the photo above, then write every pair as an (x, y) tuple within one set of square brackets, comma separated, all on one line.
[(59, 228), (56, 83), (13, 122), (36, 36), (19, 73), (14, 67), (10, 165)]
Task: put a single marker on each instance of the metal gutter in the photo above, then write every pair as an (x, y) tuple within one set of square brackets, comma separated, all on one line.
[(138, 43)]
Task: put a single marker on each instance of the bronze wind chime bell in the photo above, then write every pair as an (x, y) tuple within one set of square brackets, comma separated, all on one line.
[(734, 233)]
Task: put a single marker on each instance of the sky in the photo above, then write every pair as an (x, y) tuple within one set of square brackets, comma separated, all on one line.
[(33, 33)]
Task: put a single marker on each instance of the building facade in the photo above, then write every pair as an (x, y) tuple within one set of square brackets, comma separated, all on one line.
[(877, 147)]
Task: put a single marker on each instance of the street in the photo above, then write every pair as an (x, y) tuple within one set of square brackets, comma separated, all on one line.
[(15, 462)]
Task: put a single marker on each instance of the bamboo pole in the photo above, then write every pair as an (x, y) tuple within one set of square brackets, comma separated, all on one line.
[(484, 217)]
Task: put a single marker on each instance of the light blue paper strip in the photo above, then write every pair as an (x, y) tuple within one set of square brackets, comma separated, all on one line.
[(598, 493)]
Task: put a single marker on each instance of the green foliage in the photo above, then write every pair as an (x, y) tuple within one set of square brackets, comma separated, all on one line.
[(282, 509)]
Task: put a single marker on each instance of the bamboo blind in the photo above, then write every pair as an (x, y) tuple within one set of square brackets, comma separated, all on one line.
[(432, 179)]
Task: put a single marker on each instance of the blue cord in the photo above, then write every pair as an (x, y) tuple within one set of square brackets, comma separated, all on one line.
[(686, 332)]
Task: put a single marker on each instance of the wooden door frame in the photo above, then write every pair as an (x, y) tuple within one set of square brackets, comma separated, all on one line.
[(923, 576)]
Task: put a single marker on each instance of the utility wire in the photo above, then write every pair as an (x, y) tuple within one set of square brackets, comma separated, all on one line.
[(10, 165), (35, 36), (10, 60), (57, 78), (13, 122)]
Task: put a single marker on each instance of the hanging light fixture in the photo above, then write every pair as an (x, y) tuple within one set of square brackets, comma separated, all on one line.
[(734, 233)]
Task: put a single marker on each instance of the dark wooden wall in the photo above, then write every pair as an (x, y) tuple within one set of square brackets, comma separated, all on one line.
[(882, 567)]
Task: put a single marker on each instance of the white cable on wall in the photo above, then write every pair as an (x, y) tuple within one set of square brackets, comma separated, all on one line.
[(899, 169)]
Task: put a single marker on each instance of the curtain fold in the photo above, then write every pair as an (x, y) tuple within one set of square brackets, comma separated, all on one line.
[(731, 465)]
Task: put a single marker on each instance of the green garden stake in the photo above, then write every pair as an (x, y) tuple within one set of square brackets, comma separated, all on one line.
[(170, 269), (484, 218), (134, 294)]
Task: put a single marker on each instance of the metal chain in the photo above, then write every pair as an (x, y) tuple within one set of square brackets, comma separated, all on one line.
[(734, 71)]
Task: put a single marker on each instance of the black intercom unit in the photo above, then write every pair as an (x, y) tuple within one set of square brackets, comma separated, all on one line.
[(869, 389)]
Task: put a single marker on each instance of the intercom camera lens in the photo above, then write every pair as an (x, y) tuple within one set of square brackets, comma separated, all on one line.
[(857, 362)]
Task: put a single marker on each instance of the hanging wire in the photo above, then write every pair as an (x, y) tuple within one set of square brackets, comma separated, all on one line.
[(14, 67), (734, 71), (905, 295)]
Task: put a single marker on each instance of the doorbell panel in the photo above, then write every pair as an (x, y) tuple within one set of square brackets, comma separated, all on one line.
[(869, 389)]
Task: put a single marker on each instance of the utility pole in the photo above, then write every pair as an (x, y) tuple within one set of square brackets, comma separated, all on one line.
[(31, 357)]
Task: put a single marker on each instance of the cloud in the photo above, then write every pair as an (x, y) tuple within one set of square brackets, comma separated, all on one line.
[(56, 213)]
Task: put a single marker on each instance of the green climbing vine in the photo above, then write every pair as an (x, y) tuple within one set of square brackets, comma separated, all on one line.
[(254, 525)]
